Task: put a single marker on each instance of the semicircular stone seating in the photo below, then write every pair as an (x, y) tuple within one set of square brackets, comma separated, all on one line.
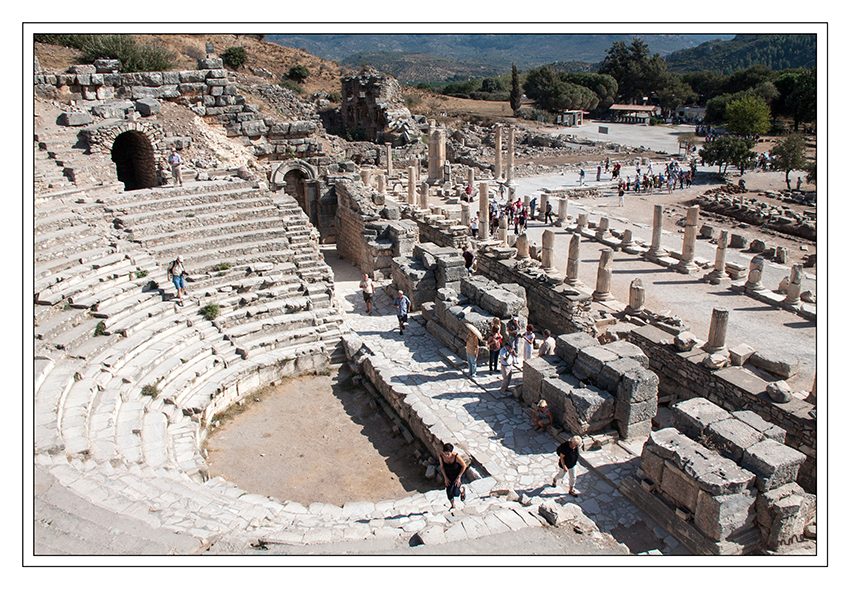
[(126, 381)]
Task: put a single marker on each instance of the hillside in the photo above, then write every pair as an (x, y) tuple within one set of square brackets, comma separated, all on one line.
[(499, 51), (777, 52), (420, 67)]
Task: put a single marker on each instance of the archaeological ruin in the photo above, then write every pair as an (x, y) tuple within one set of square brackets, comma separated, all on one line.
[(708, 439)]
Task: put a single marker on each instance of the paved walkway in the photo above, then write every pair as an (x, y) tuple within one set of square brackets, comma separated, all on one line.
[(493, 429)]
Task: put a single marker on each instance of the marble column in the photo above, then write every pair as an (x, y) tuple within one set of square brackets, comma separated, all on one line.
[(573, 262), (581, 223), (436, 154), (522, 246), (544, 198), (627, 241), (562, 210), (753, 283), (510, 170), (497, 130), (686, 264), (389, 147), (717, 331), (526, 201), (470, 178), (718, 275), (637, 297), (411, 186), (366, 177), (655, 250), (795, 286), (503, 230), (382, 184), (603, 276), (423, 197), (464, 214), (483, 211), (547, 256), (602, 229)]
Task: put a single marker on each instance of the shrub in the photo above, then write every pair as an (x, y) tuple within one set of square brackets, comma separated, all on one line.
[(100, 329), (141, 273), (412, 101), (133, 57), (335, 96), (531, 114), (234, 57), (299, 73), (291, 85), (150, 390), (210, 311), (75, 41), (222, 267)]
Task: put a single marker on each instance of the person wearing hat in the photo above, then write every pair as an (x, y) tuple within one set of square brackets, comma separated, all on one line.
[(402, 305), (507, 361), (542, 416), (473, 343), (567, 459), (176, 271)]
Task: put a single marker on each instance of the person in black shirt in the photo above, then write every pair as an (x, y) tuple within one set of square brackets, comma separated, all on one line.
[(567, 459), (452, 467)]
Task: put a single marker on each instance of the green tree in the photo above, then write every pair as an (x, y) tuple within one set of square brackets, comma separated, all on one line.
[(748, 115), (790, 154), (299, 73), (801, 103), (234, 57), (604, 86), (638, 74), (728, 150), (516, 92), (706, 84)]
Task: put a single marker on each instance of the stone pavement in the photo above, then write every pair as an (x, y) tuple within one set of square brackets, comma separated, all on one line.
[(493, 429)]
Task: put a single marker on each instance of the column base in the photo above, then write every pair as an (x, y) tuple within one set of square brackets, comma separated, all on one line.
[(602, 296), (687, 268)]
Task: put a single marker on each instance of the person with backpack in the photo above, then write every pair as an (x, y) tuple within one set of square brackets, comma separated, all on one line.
[(176, 271), (494, 344)]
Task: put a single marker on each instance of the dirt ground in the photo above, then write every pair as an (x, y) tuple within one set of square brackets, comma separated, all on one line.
[(315, 439)]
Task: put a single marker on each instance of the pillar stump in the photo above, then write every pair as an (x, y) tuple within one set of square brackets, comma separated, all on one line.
[(547, 256), (718, 274), (795, 286), (522, 246), (411, 186), (497, 170), (503, 230), (602, 229), (655, 250), (573, 262), (483, 211), (637, 297), (581, 224), (717, 331), (686, 263), (603, 276), (753, 283)]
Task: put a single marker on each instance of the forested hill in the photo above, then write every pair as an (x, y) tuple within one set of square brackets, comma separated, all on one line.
[(777, 52)]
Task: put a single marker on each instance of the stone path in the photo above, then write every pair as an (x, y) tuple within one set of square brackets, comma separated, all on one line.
[(493, 429)]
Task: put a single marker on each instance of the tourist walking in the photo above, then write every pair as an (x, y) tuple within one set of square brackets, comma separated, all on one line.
[(452, 466), (176, 272), (368, 288), (621, 193), (548, 217), (403, 306), (581, 177), (507, 361), (548, 345), (494, 344), (567, 458), (473, 342), (598, 173), (533, 205), (512, 328), (542, 416), (473, 226), (175, 161), (468, 257)]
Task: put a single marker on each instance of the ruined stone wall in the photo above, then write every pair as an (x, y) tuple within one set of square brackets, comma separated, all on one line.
[(734, 389), (370, 235), (553, 307), (207, 91), (372, 103)]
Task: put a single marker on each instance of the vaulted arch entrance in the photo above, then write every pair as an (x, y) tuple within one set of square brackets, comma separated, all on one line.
[(134, 160)]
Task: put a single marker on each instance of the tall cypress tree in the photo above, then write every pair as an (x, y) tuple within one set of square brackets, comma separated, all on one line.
[(516, 93)]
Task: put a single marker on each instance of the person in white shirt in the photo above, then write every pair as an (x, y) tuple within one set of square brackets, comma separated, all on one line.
[(368, 288), (507, 361)]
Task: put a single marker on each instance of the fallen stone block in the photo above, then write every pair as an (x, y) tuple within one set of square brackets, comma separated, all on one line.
[(779, 391), (680, 489), (631, 431), (148, 106), (628, 350), (731, 437), (765, 428), (774, 464), (691, 417), (588, 410), (640, 384), (590, 360), (612, 373), (720, 516), (774, 363), (627, 413), (740, 354), (75, 119), (783, 514), (685, 341), (567, 346), (534, 371), (652, 465)]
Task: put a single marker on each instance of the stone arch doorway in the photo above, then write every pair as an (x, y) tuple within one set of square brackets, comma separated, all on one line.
[(297, 178), (134, 160)]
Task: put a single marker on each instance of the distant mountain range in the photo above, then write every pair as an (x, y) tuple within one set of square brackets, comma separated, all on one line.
[(436, 58), (495, 52)]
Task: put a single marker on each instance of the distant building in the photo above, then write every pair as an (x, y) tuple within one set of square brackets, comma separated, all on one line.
[(634, 113), (571, 118), (691, 113)]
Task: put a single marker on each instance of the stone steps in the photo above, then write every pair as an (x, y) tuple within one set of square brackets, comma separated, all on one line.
[(226, 232), (48, 398), (57, 322), (142, 221), (211, 252), (60, 283), (175, 201), (44, 268), (152, 198), (76, 248)]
